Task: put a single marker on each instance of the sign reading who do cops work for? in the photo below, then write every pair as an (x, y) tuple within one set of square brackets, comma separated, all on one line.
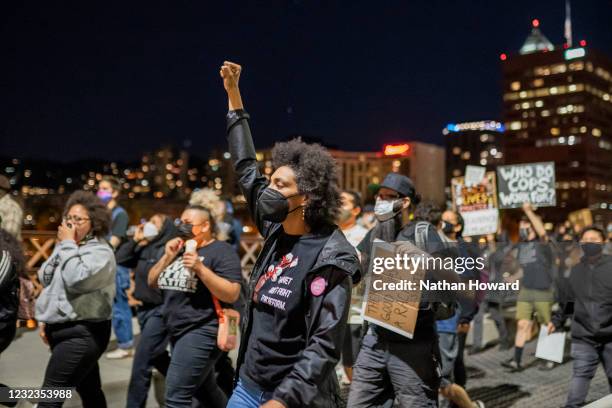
[(529, 182)]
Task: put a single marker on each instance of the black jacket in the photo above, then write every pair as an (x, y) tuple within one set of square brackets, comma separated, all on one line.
[(313, 381), (589, 300), (141, 259)]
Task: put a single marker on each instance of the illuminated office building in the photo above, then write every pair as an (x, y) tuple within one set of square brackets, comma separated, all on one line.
[(557, 107)]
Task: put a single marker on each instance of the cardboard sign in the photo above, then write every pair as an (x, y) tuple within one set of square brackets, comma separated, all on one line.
[(477, 204), (530, 182), (581, 218), (474, 175), (395, 310)]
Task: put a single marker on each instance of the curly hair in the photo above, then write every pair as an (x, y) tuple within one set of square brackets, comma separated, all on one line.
[(99, 215), (316, 174), (428, 211)]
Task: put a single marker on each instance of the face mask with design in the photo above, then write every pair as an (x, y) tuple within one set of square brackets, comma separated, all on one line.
[(387, 209), (274, 206), (150, 230), (105, 196)]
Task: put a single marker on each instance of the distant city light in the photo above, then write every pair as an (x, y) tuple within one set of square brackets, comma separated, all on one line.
[(583, 43), (480, 125), (503, 56), (574, 53), (396, 149)]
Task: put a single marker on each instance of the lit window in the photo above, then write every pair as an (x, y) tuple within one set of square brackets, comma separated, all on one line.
[(558, 68), (523, 94), (484, 137), (576, 66), (545, 113), (596, 132), (456, 151), (583, 129), (515, 86), (554, 90), (539, 103), (555, 131), (483, 162), (572, 88), (538, 82), (456, 173), (516, 125), (525, 105), (466, 156)]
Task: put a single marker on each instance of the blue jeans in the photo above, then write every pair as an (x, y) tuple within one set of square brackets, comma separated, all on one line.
[(244, 397), (587, 357), (191, 374), (122, 314), (150, 352)]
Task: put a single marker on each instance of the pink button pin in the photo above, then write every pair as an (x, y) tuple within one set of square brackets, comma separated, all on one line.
[(317, 286)]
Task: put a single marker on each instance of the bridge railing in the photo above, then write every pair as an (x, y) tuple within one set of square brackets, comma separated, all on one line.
[(38, 246)]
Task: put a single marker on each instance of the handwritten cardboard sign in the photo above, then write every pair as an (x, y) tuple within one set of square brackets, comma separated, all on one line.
[(529, 182), (395, 310)]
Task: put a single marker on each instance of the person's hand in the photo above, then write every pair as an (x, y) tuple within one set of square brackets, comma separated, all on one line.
[(463, 328), (273, 404), (42, 334), (551, 328), (66, 231), (230, 72), (527, 207), (173, 247), (191, 260)]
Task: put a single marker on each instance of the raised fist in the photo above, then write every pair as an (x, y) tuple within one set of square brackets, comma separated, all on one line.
[(230, 73)]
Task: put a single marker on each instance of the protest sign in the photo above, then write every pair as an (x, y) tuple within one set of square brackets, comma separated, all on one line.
[(581, 218), (474, 175), (530, 182), (477, 204), (393, 309)]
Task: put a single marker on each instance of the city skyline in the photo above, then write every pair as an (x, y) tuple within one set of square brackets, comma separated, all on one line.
[(119, 89)]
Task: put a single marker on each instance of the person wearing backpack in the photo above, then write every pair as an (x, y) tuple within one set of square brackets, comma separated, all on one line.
[(390, 365)]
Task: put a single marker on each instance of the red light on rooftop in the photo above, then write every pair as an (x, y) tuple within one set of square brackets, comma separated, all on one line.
[(535, 23), (503, 57), (397, 149), (566, 46), (583, 43)]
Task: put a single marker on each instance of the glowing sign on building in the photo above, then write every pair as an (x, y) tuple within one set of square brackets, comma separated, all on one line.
[(402, 149), (574, 53), (480, 125)]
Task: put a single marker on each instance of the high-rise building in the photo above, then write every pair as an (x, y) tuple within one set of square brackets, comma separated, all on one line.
[(557, 107), (475, 143)]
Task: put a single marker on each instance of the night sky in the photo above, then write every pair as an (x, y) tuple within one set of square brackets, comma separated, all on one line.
[(111, 80)]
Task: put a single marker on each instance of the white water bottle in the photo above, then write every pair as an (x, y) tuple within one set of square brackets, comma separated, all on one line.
[(191, 245)]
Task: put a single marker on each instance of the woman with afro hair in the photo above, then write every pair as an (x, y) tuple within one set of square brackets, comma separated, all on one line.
[(300, 286)]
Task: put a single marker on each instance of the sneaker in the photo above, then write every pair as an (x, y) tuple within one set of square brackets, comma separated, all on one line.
[(119, 353), (512, 365), (479, 404), (547, 366)]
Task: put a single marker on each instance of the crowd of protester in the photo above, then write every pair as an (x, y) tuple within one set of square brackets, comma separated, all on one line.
[(300, 309)]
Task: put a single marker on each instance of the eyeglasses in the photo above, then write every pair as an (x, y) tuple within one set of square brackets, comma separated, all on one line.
[(75, 219), (387, 197)]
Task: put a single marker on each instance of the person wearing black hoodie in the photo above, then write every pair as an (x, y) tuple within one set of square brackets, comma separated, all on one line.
[(589, 301), (300, 286), (140, 253)]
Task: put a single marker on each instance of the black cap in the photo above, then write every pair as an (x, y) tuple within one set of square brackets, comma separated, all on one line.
[(402, 184)]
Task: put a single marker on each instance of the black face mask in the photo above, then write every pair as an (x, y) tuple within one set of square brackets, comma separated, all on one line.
[(185, 231), (447, 227), (524, 234), (274, 206), (591, 248)]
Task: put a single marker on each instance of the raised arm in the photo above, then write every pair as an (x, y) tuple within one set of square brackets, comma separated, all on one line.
[(241, 147), (536, 221)]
